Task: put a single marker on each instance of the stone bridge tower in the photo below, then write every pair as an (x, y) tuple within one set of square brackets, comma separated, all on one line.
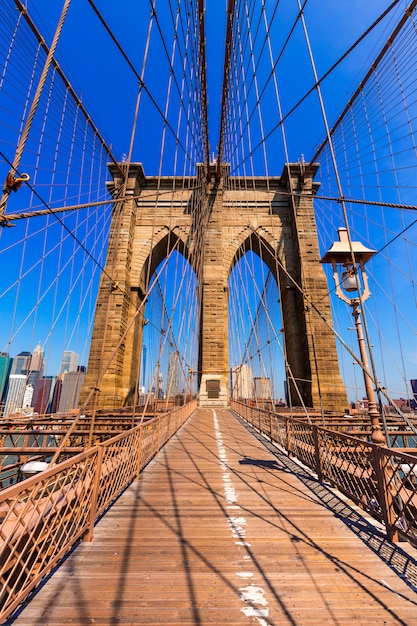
[(273, 217)]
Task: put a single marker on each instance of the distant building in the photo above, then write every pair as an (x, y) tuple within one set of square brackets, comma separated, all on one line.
[(141, 396), (5, 368), (173, 374), (21, 364), (71, 387), (36, 365), (242, 382), (234, 382), (413, 383), (160, 386), (144, 353), (27, 398), (56, 396), (15, 393), (36, 362), (263, 388), (404, 404), (69, 362), (42, 394)]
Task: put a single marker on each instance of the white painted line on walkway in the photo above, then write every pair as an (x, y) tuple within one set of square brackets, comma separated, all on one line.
[(251, 595)]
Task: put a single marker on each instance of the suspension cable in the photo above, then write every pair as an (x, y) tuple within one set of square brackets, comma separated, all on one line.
[(225, 88), (28, 123), (409, 10)]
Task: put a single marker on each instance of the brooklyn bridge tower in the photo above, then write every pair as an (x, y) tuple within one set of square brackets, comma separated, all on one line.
[(213, 219)]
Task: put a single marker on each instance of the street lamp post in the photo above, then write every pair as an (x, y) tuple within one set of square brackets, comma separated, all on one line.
[(352, 256)]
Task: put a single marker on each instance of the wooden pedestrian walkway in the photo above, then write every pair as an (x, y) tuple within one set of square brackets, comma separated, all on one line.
[(224, 529)]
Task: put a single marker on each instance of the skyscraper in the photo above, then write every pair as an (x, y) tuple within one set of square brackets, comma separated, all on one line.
[(5, 367), (234, 379), (42, 394), (173, 374), (21, 363), (36, 362), (413, 383), (242, 381), (144, 352), (56, 395), (69, 362), (71, 387), (36, 366), (15, 393), (263, 388), (160, 393)]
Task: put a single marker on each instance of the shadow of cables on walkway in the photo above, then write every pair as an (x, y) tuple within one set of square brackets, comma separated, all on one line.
[(398, 559)]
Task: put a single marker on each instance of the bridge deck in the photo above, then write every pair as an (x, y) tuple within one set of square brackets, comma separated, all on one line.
[(219, 530)]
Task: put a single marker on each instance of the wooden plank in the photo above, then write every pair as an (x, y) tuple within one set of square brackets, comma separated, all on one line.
[(218, 530)]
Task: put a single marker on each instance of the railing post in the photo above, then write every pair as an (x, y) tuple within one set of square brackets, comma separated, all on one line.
[(139, 452), (384, 476), (288, 434), (94, 496), (317, 454), (270, 425)]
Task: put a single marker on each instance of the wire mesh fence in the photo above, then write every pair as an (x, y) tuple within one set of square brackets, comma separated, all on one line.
[(383, 481), (44, 516)]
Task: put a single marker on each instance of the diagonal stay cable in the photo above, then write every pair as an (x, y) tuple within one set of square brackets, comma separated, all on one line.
[(203, 70), (23, 10), (272, 73), (318, 83), (225, 89), (69, 231), (137, 75), (407, 13)]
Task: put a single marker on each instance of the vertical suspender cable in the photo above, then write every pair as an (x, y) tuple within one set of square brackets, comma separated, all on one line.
[(339, 188), (409, 10), (35, 101), (203, 70), (225, 89)]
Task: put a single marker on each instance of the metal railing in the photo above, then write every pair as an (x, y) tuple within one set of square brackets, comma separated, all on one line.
[(43, 517), (37, 438), (383, 481)]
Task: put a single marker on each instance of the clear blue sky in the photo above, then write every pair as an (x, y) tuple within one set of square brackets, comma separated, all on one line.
[(108, 87)]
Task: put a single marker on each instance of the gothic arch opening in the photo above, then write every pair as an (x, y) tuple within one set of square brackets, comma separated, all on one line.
[(169, 360), (167, 243), (256, 342), (275, 324)]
